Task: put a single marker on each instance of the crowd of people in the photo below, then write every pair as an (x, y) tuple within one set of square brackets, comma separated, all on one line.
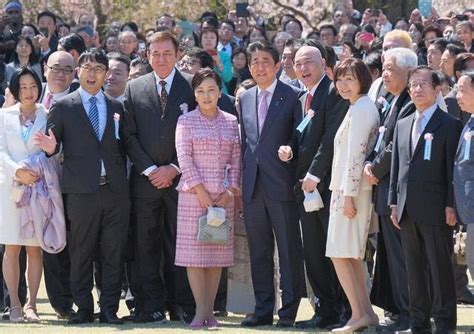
[(196, 169)]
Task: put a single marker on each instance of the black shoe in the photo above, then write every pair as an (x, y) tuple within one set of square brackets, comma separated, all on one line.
[(64, 314), (188, 317), (81, 317), (465, 297), (175, 313), (221, 314), (6, 313), (317, 322), (402, 324), (156, 317), (285, 323), (110, 317), (257, 321)]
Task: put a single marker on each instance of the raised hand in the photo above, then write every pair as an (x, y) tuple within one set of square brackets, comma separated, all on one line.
[(46, 142)]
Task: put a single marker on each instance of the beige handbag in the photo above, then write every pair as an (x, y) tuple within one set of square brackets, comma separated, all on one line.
[(460, 246), (17, 191)]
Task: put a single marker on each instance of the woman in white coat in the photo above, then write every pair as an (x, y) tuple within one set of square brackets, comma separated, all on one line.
[(351, 208), (17, 127)]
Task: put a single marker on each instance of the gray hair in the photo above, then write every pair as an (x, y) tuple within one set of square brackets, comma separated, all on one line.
[(404, 58)]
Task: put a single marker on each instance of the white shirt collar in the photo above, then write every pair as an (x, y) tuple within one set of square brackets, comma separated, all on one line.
[(270, 89), (313, 90), (428, 112), (55, 95), (120, 98), (168, 79), (85, 96)]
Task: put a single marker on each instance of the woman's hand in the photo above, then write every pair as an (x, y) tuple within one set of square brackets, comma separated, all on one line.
[(9, 99), (350, 210), (26, 176), (224, 198), (203, 196)]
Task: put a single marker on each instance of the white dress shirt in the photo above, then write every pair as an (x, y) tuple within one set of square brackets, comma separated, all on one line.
[(56, 96)]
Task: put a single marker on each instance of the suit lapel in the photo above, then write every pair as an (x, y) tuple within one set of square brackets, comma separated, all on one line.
[(277, 100), (319, 97), (110, 116), (152, 92), (174, 92), (77, 105), (431, 127)]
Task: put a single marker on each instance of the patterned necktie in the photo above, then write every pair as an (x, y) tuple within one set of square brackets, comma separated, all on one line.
[(94, 115), (262, 109), (309, 98), (416, 133), (163, 96), (48, 100)]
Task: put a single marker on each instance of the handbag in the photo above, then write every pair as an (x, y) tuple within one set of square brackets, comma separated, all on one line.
[(460, 246), (212, 234), (215, 216), (17, 192)]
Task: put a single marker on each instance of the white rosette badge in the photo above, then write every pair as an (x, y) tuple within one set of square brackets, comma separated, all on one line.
[(183, 107), (467, 147), (428, 142), (117, 125)]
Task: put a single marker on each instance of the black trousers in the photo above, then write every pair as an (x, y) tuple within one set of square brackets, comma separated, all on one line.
[(57, 272), (99, 221), (157, 282), (319, 268), (428, 250), (265, 221)]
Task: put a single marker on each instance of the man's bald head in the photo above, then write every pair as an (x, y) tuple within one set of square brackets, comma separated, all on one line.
[(309, 65), (59, 71)]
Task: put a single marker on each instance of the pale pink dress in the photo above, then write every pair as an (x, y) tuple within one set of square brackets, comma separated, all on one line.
[(205, 148)]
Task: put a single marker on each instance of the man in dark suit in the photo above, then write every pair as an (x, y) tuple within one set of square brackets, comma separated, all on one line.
[(397, 64), (464, 165), (313, 171), (87, 125), (422, 203), (269, 113), (153, 104)]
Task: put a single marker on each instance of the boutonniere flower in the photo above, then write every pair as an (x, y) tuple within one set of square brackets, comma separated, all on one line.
[(183, 107), (467, 147), (381, 100), (117, 125), (428, 136), (428, 141), (468, 135), (310, 113)]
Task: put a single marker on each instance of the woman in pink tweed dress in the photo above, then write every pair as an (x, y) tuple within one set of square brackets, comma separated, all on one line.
[(207, 143)]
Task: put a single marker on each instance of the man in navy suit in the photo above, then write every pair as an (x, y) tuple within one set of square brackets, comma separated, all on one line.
[(422, 203), (269, 112), (464, 165)]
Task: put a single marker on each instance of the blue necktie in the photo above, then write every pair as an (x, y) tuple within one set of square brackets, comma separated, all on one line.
[(94, 115)]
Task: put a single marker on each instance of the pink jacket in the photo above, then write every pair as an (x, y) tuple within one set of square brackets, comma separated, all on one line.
[(42, 210)]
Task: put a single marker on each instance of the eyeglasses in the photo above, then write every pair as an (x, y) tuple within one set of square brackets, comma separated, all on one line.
[(57, 69), (422, 84), (95, 69), (191, 62)]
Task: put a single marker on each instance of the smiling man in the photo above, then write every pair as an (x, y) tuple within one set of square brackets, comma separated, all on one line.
[(119, 66)]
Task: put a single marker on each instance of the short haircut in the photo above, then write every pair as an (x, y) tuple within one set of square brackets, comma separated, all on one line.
[(374, 61), (119, 57), (400, 35), (461, 60), (331, 57), (94, 54), (317, 44), (162, 36), (203, 74), (298, 22), (454, 49), (48, 14), (209, 30), (15, 81), (358, 69), (204, 57), (330, 27), (470, 75), (404, 58), (291, 16), (123, 34), (33, 57), (261, 30), (440, 43), (464, 24), (432, 28), (263, 46), (435, 79), (32, 26), (173, 21), (73, 42), (143, 62), (132, 25), (368, 28), (247, 84), (237, 51), (229, 22)]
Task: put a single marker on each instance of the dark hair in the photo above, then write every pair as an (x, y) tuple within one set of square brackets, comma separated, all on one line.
[(119, 57), (207, 30), (173, 21), (141, 61), (108, 35), (435, 79), (162, 36), (208, 14), (291, 16), (313, 32), (32, 26), (14, 85), (204, 57), (247, 84), (432, 28), (440, 43), (298, 22), (444, 78), (418, 27), (94, 54), (317, 44), (368, 28), (263, 46), (358, 69), (46, 13), (354, 50), (331, 58), (203, 74), (261, 30), (330, 27), (229, 22), (62, 25), (454, 49), (237, 51), (374, 61), (461, 60), (132, 25), (33, 57), (73, 42), (211, 21)]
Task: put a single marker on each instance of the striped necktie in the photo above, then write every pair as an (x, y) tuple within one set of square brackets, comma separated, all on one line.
[(94, 115)]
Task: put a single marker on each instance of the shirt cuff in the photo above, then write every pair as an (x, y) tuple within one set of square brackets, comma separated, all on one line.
[(393, 206), (150, 169), (44, 53), (177, 168), (312, 177)]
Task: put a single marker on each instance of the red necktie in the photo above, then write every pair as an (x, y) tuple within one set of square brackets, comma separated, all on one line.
[(309, 98)]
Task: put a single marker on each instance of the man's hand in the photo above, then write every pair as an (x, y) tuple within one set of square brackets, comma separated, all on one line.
[(450, 216), (369, 176), (394, 218), (163, 176), (45, 142), (285, 153), (309, 185), (43, 42)]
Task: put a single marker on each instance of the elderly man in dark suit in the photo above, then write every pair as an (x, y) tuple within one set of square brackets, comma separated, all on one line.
[(464, 165), (153, 104), (422, 203), (269, 113), (87, 123), (315, 153), (397, 63)]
